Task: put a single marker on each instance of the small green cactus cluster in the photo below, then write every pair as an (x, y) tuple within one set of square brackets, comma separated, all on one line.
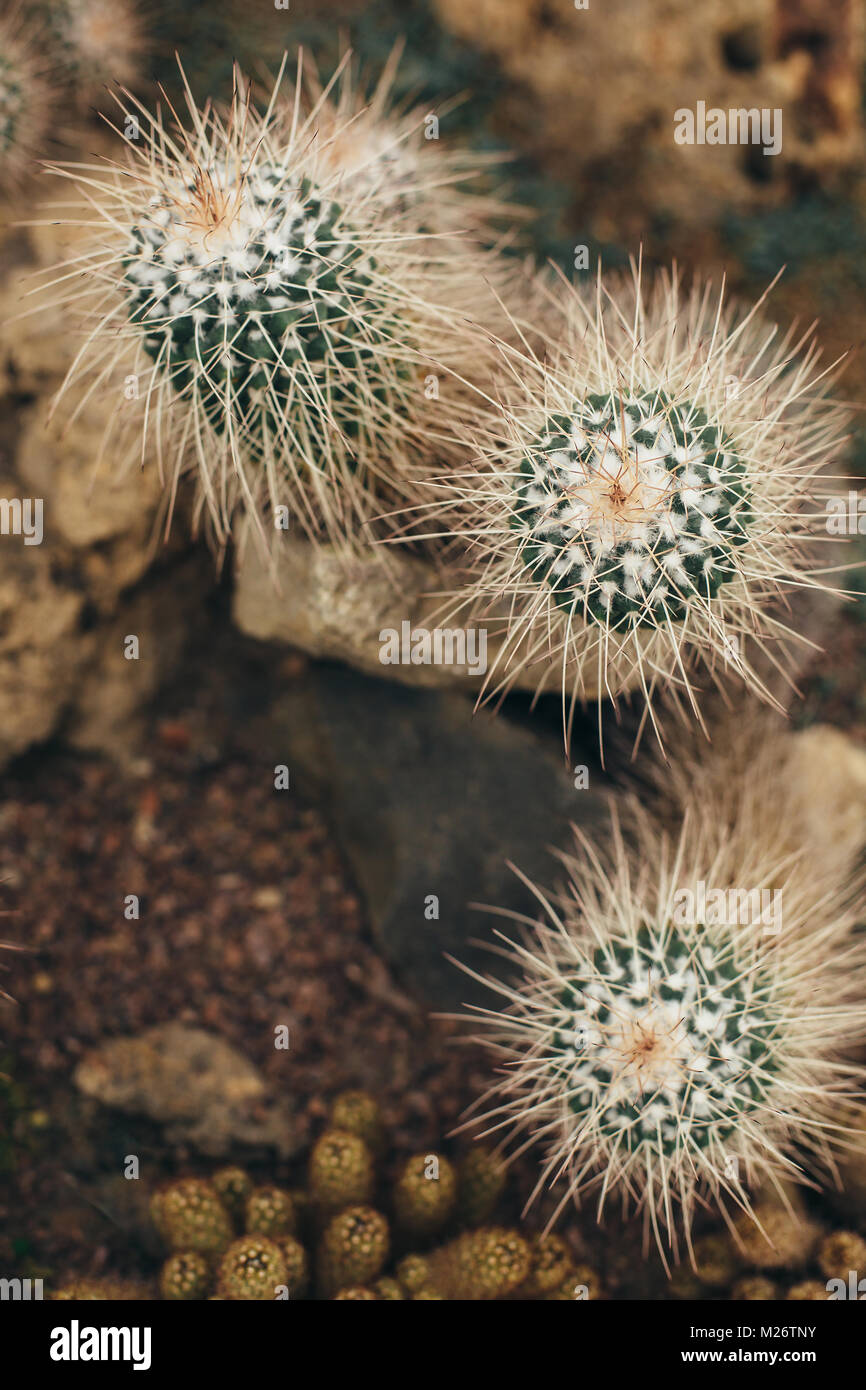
[(433, 1237), (782, 1254)]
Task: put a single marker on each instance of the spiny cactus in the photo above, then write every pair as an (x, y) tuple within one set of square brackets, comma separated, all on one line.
[(667, 1054), (266, 322), (95, 42), (643, 499), (25, 103), (340, 1171), (185, 1275), (425, 1194), (253, 1269), (353, 1249), (396, 154), (190, 1216)]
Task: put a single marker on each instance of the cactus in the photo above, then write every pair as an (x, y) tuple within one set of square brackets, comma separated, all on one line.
[(807, 1291), (25, 104), (98, 1290), (253, 1269), (425, 1194), (640, 504), (357, 1112), (414, 1272), (297, 1266), (388, 1290), (486, 1264), (754, 1288), (270, 1212), (552, 1264), (189, 1216), (340, 1171), (185, 1275), (353, 1249), (93, 42), (357, 1293), (480, 1184), (672, 1055), (233, 1186), (275, 320), (840, 1253), (771, 1237)]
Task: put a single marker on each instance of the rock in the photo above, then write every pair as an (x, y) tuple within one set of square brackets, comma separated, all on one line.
[(334, 605), (597, 88), (429, 803), (828, 774), (41, 654), (197, 1086)]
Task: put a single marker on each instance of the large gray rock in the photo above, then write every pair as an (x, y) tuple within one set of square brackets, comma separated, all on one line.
[(429, 803)]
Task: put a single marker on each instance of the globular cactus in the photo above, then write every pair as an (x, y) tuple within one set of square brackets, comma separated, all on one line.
[(388, 1290), (356, 1294), (353, 1249), (94, 42), (772, 1236), (668, 1051), (552, 1263), (253, 1269), (357, 1112), (25, 103), (643, 498), (190, 1216), (414, 1272), (489, 1263), (807, 1291), (481, 1178), (185, 1276), (341, 1171), (840, 1253), (233, 1186), (272, 322), (98, 1290), (270, 1212), (754, 1288), (425, 1194), (297, 1266)]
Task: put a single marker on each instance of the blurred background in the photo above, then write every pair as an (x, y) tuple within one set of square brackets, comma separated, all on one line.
[(174, 909)]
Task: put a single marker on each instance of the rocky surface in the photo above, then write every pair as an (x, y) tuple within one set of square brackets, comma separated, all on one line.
[(201, 1089), (597, 87), (430, 804)]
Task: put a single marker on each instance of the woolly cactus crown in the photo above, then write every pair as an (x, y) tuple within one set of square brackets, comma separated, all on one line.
[(668, 1055), (641, 500), (277, 315)]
